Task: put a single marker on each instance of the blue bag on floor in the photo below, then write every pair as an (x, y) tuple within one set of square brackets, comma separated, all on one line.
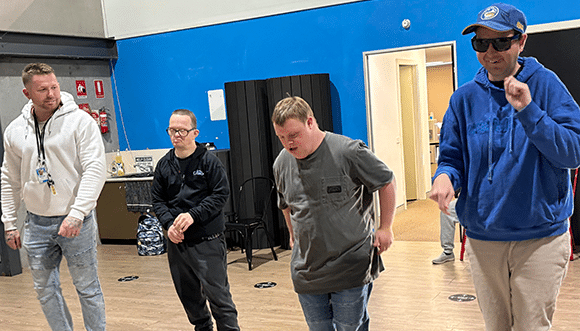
[(150, 238)]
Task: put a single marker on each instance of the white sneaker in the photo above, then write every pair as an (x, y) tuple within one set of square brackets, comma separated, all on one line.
[(444, 257)]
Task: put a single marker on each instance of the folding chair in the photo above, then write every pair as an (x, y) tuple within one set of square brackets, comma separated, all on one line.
[(254, 198)]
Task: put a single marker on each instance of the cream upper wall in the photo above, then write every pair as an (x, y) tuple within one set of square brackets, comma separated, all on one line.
[(132, 18), (57, 17)]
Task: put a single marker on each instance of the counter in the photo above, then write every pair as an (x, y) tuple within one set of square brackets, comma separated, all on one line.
[(117, 224)]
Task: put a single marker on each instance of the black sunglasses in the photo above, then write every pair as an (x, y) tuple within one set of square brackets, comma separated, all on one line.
[(499, 44)]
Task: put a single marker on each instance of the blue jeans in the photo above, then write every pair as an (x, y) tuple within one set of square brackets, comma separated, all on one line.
[(343, 311), (45, 250)]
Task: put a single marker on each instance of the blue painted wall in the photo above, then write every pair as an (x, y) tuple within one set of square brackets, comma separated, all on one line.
[(159, 73)]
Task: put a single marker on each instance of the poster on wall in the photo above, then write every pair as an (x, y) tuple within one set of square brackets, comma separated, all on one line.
[(144, 163), (81, 89), (99, 90), (217, 105)]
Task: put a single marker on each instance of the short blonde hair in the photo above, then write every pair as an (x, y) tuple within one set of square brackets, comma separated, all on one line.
[(34, 69), (291, 107)]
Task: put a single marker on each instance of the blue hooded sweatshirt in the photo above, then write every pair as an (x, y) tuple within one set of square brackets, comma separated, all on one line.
[(513, 168)]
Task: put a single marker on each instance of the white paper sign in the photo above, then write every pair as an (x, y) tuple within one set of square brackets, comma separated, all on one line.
[(217, 106)]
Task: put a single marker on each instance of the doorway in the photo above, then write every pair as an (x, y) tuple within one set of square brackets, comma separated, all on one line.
[(398, 111), (408, 113)]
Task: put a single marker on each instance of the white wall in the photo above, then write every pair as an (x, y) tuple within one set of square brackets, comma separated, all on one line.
[(60, 17), (132, 18)]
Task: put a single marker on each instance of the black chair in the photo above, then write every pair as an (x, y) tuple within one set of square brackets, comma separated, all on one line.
[(253, 202)]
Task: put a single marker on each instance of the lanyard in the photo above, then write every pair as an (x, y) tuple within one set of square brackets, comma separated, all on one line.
[(40, 140), (41, 152)]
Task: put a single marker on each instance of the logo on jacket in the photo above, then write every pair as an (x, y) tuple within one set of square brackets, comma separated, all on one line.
[(334, 189), (198, 173)]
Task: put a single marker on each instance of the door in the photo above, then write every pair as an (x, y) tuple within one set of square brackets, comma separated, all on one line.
[(402, 142), (408, 112)]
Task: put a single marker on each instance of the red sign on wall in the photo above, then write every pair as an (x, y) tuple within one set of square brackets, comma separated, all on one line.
[(81, 89), (99, 89), (85, 107)]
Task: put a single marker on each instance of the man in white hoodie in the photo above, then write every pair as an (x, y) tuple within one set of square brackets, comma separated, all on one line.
[(54, 161)]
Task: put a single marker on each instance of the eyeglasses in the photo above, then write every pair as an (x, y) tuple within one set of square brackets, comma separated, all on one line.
[(499, 44), (181, 132)]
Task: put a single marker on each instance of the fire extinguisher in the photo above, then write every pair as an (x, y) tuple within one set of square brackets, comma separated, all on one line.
[(103, 123)]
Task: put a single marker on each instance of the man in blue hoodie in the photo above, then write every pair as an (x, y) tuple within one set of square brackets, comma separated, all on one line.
[(508, 140)]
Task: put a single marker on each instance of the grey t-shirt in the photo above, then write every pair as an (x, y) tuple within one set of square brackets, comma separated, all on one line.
[(330, 198)]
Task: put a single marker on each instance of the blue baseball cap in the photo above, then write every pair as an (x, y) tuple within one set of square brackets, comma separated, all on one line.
[(499, 17)]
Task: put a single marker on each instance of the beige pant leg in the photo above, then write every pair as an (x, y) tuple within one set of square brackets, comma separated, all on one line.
[(517, 282), (539, 269), (490, 273)]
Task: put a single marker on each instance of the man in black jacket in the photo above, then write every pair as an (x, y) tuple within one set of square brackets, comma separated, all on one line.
[(189, 191)]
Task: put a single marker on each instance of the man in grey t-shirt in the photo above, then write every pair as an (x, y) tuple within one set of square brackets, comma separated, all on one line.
[(325, 183)]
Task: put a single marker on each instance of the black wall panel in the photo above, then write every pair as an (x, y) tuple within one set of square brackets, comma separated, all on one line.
[(253, 142), (9, 258), (250, 141), (558, 51), (248, 130), (224, 156)]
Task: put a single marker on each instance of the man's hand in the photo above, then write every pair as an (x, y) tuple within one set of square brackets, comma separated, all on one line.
[(179, 226), (442, 192), (70, 227), (13, 239), (291, 241), (517, 93), (383, 239)]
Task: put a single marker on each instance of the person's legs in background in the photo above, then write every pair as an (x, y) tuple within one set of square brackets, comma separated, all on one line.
[(447, 235)]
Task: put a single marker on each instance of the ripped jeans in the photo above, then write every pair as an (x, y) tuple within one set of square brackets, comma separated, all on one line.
[(45, 250)]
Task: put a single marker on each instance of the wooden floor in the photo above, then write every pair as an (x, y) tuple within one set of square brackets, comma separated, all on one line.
[(411, 294)]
